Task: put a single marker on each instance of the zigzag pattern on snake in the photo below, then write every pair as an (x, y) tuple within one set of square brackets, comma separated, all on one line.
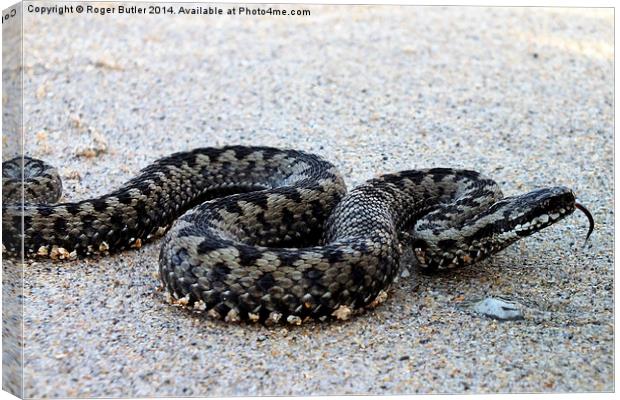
[(265, 234)]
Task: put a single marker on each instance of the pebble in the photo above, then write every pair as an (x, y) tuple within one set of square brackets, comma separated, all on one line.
[(498, 309)]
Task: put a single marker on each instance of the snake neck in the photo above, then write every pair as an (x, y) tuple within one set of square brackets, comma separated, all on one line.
[(437, 198)]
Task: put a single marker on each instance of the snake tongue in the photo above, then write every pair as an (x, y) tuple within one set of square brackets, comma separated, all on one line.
[(590, 219)]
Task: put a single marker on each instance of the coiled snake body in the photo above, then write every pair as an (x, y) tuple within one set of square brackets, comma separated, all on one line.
[(259, 233)]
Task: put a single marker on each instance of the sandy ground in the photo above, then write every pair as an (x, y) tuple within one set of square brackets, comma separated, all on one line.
[(524, 95)]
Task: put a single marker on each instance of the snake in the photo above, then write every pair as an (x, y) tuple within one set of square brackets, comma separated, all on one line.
[(254, 233)]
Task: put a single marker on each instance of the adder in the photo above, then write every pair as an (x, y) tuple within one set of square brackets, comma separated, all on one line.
[(267, 234)]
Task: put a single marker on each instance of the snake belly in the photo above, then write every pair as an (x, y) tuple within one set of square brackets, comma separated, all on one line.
[(266, 234)]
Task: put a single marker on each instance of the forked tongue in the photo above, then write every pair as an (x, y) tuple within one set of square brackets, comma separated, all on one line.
[(590, 220)]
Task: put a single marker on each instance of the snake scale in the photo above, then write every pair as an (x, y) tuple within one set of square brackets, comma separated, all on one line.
[(266, 234)]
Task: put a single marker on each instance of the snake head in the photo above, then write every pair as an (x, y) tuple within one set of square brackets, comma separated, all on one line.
[(530, 212), (495, 228), (533, 211)]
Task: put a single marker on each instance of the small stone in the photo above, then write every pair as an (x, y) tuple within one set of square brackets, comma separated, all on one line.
[(213, 314), (183, 301), (498, 309), (43, 251), (232, 316), (274, 318), (200, 305), (293, 320), (342, 313), (253, 317), (103, 247), (381, 297), (59, 253)]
